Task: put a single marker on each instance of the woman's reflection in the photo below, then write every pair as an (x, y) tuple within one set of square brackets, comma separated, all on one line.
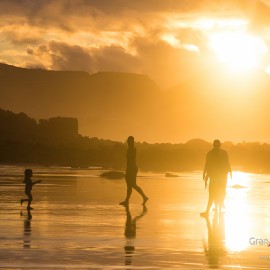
[(216, 240), (130, 233)]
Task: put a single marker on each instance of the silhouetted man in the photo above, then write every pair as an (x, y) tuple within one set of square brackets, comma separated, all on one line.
[(131, 173), (216, 168)]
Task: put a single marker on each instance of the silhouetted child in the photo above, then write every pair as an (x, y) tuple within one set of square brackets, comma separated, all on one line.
[(28, 173)]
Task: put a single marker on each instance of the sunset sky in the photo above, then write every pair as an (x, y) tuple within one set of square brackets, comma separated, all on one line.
[(167, 40), (183, 46)]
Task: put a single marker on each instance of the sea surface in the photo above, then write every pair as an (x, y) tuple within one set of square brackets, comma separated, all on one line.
[(77, 223)]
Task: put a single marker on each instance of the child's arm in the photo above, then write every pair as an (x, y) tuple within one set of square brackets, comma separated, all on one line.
[(36, 182)]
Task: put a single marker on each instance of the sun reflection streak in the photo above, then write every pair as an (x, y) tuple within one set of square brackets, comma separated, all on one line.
[(237, 219)]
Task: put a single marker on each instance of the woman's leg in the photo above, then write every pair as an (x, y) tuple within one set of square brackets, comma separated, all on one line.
[(140, 191), (137, 188)]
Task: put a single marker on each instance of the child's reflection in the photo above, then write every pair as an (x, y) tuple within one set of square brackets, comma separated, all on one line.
[(130, 233), (27, 229)]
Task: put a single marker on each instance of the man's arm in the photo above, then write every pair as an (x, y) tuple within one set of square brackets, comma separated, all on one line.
[(205, 170)]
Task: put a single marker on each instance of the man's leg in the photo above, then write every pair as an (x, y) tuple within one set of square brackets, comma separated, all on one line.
[(210, 201)]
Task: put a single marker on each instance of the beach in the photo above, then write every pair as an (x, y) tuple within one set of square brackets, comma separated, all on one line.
[(77, 223)]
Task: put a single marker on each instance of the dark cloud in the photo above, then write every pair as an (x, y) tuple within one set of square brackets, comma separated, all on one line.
[(118, 15), (108, 7), (115, 58), (106, 14), (41, 50), (110, 58), (21, 38), (69, 57)]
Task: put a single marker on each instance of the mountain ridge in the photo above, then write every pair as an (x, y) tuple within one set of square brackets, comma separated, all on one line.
[(113, 105)]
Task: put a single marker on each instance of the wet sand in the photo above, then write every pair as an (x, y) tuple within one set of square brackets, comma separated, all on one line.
[(77, 223)]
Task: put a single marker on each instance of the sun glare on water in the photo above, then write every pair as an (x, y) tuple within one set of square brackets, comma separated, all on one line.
[(240, 51), (238, 219)]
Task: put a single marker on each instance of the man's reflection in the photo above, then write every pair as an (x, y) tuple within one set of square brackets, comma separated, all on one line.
[(130, 233), (216, 240), (27, 229)]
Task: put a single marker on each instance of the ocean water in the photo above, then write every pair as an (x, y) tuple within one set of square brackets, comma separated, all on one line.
[(77, 223)]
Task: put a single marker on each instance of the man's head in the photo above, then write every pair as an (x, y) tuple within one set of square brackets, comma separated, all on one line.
[(130, 140), (216, 144)]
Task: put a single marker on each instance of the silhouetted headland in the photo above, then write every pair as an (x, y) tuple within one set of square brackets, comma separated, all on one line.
[(56, 141)]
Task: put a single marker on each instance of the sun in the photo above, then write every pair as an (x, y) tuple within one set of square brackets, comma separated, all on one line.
[(240, 51)]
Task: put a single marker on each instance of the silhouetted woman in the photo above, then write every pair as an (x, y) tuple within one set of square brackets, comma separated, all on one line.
[(131, 173)]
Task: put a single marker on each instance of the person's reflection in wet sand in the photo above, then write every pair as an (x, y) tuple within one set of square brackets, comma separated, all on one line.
[(130, 233), (27, 229), (216, 240)]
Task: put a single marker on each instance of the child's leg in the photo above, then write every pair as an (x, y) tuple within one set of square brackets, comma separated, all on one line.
[(30, 198)]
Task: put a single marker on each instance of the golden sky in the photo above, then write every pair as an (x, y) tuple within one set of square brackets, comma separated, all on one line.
[(166, 40)]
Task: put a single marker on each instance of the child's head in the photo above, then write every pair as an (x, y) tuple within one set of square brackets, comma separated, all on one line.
[(28, 173)]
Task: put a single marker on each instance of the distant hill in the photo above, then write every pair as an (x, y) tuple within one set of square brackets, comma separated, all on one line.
[(23, 129), (107, 104), (212, 104)]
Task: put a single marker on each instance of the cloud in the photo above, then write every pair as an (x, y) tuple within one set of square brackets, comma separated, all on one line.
[(115, 58), (89, 7), (73, 57), (107, 15), (163, 63), (95, 35), (69, 57), (21, 36)]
